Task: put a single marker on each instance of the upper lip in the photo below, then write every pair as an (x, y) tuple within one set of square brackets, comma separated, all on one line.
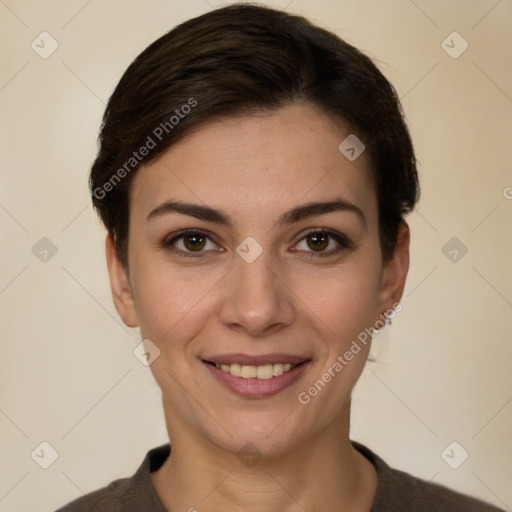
[(248, 360)]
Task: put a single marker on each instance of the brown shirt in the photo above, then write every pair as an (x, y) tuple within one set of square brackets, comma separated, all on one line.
[(397, 491)]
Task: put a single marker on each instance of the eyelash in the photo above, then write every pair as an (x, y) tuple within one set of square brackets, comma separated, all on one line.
[(342, 240)]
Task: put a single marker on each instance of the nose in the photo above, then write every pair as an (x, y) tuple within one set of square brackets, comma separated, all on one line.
[(257, 300)]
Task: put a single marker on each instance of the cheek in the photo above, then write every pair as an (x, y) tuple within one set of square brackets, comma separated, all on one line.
[(343, 307), (169, 303), (343, 300)]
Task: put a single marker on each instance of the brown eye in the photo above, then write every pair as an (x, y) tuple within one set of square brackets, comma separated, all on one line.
[(315, 243), (194, 242), (190, 243), (318, 241)]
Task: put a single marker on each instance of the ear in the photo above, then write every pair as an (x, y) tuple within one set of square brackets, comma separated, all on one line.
[(394, 273), (120, 285)]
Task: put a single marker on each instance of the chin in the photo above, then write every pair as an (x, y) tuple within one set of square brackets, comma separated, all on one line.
[(269, 435)]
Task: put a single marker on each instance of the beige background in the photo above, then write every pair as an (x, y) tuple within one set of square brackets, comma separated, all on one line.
[(68, 375)]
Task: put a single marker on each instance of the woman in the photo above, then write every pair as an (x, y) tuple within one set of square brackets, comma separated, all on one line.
[(254, 175)]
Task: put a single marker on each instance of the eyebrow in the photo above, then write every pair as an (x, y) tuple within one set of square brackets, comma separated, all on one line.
[(220, 217)]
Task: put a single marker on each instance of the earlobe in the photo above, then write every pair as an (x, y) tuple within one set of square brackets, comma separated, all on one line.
[(395, 272), (122, 294)]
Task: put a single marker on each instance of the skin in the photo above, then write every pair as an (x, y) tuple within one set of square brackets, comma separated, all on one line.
[(255, 169)]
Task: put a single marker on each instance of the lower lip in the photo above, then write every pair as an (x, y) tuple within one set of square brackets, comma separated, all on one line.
[(258, 388)]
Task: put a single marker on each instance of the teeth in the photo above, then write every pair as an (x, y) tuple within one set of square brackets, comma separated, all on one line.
[(249, 372), (267, 371), (278, 369), (235, 369)]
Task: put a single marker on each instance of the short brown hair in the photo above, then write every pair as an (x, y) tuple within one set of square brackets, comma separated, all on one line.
[(244, 59)]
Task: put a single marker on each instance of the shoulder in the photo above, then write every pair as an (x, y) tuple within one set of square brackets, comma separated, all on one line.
[(133, 494), (111, 498), (412, 493), (402, 492)]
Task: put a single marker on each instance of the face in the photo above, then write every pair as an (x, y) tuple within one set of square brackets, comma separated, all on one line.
[(254, 245)]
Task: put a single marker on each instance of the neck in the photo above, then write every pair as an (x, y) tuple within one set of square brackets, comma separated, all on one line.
[(324, 473)]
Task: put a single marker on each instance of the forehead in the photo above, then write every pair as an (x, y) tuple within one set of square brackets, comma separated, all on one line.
[(257, 164)]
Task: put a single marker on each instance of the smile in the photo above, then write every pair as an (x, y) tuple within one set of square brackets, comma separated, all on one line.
[(263, 378), (267, 371)]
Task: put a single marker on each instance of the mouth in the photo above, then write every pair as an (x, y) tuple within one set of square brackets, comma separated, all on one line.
[(262, 372), (257, 377)]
